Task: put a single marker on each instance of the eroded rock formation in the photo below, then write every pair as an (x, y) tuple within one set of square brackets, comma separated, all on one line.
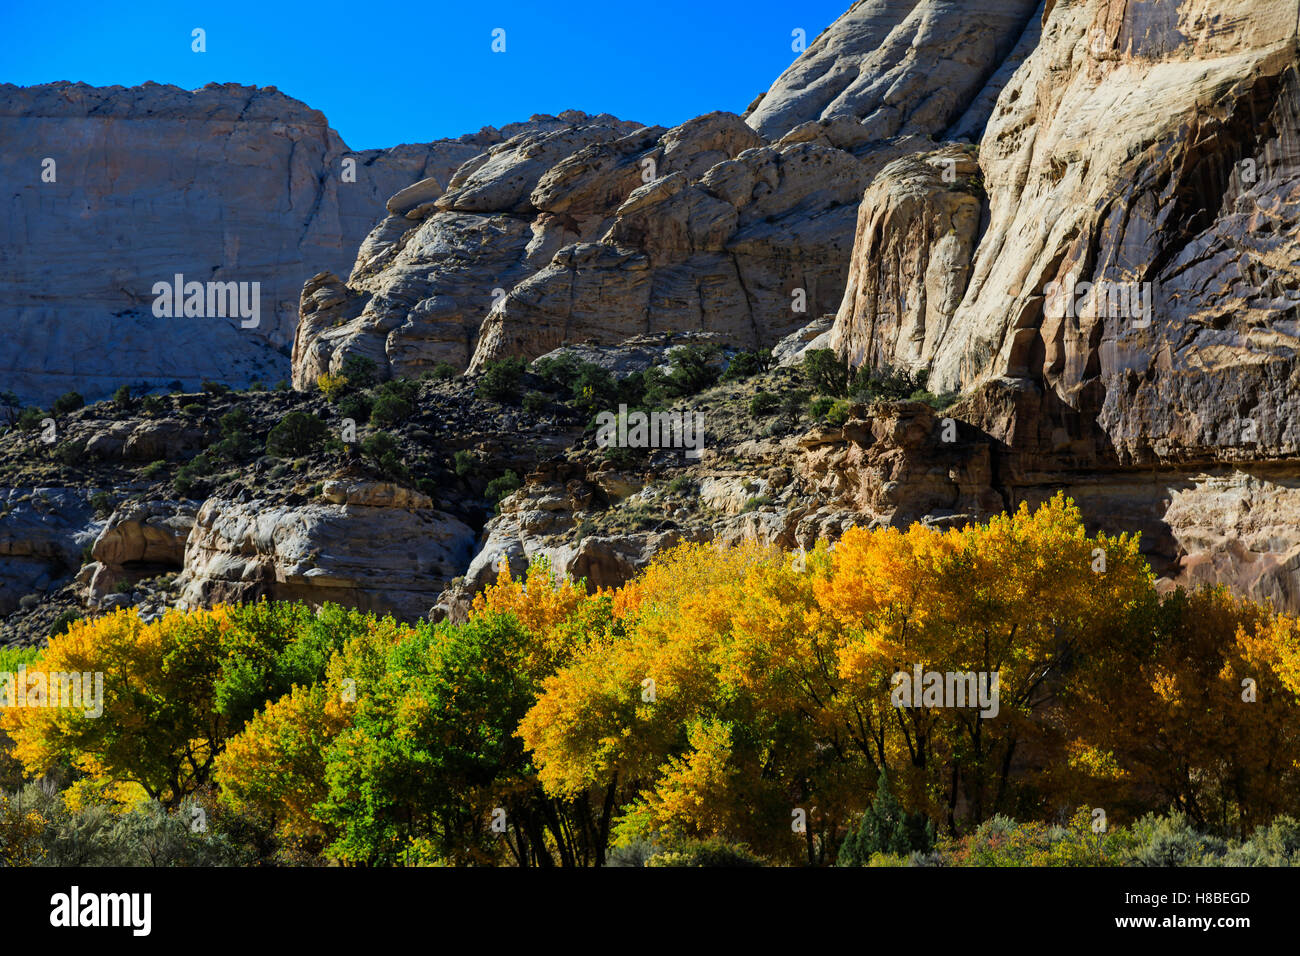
[(602, 231), (375, 546)]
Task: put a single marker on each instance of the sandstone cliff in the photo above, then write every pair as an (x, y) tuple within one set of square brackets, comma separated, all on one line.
[(1149, 148), (225, 183)]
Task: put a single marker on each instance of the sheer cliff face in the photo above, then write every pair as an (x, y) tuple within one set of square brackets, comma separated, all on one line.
[(110, 190), (602, 231), (1152, 151), (1150, 146)]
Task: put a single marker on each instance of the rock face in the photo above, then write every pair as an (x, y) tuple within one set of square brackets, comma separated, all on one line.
[(139, 540), (921, 190), (42, 534), (892, 67), (1143, 145), (380, 548), (1153, 151), (428, 273), (602, 231), (916, 233), (114, 189)]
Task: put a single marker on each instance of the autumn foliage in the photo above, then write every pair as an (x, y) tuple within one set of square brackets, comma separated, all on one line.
[(727, 697)]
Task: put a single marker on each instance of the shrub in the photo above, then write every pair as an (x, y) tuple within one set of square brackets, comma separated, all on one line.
[(30, 419), (593, 389), (408, 390), (938, 402), (1277, 844), (355, 406), (501, 380), (1172, 841), (389, 410), (498, 488), (691, 370), (68, 402), (62, 622), (895, 386), (379, 444), (764, 404), (360, 371), (190, 475), (71, 453), (681, 484), (885, 828), (838, 413), (635, 853), (154, 404), (122, 397), (382, 448), (793, 404), (331, 386), (705, 853), (585, 386), (102, 503), (393, 402), (235, 420), (213, 388), (820, 406), (535, 403), (464, 464), (747, 364), (296, 435), (153, 469), (558, 372), (826, 372), (236, 446), (619, 457), (441, 372)]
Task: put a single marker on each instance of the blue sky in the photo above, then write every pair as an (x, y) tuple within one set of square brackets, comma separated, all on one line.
[(393, 72)]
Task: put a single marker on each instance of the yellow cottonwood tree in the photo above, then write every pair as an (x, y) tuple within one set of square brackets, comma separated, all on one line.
[(795, 663)]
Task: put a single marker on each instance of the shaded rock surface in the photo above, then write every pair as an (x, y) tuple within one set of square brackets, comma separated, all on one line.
[(891, 67), (228, 183), (43, 532)]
